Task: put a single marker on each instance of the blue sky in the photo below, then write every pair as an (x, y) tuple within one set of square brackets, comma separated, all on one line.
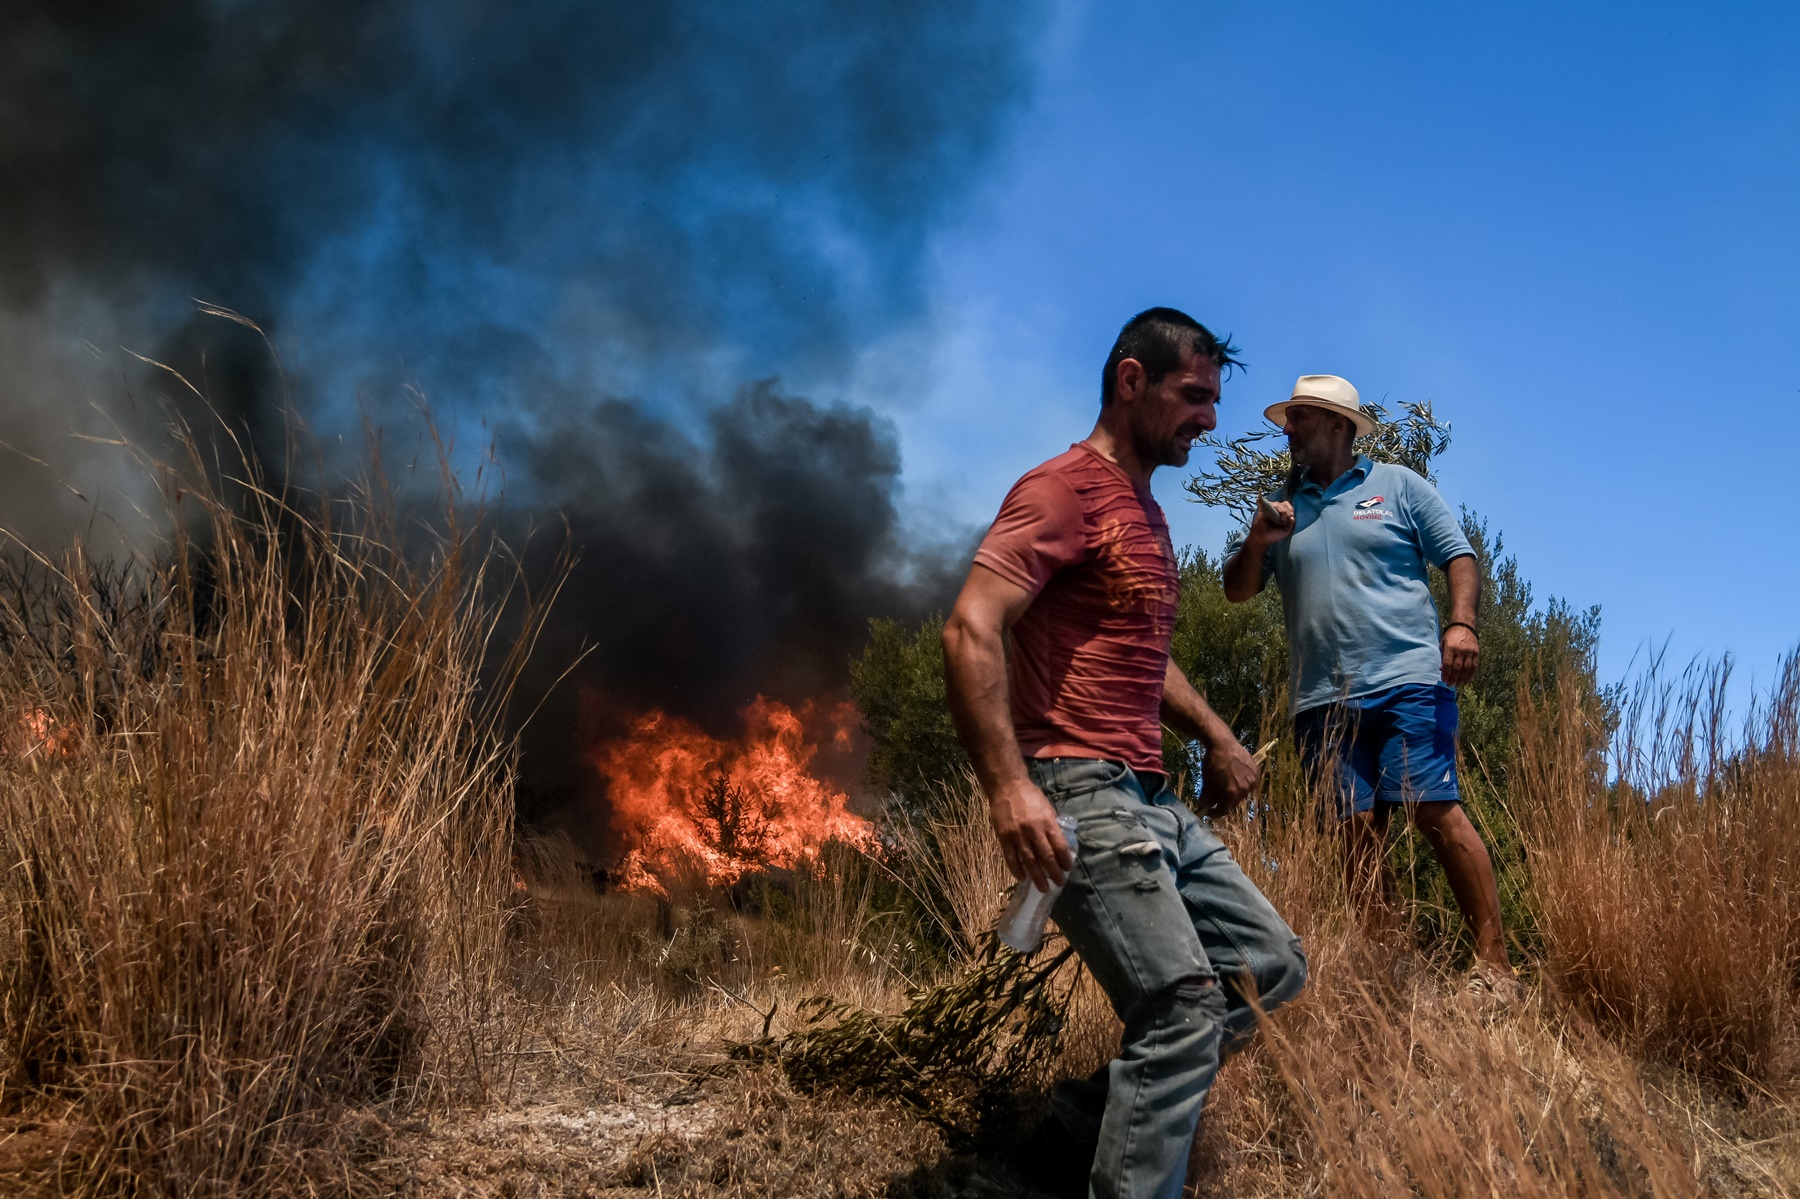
[(1575, 229)]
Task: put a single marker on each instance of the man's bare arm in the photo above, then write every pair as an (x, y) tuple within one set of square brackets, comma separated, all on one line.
[(1228, 774), (1462, 651), (1186, 711), (975, 678), (1242, 575)]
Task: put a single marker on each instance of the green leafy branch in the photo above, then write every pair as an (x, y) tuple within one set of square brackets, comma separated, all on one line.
[(1244, 470), (957, 1051)]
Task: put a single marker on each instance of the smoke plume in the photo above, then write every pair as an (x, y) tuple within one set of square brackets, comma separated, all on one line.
[(593, 223), (450, 192), (711, 570)]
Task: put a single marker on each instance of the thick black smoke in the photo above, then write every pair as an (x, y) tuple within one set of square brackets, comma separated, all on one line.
[(714, 569), (463, 182), (654, 199)]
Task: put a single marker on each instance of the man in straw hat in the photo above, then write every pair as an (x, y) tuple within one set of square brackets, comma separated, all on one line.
[(1371, 675), (1079, 571)]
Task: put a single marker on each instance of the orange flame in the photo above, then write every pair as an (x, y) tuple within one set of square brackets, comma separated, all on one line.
[(692, 806), (39, 736)]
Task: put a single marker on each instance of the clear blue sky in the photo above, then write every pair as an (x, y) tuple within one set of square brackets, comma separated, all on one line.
[(1574, 228)]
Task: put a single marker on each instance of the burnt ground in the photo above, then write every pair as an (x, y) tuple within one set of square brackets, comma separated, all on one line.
[(748, 1134)]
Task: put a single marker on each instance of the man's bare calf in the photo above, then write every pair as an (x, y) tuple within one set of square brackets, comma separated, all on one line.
[(1459, 848)]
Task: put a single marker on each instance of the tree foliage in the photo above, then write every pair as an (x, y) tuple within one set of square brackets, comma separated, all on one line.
[(1246, 468), (898, 685), (1236, 654), (1521, 645)]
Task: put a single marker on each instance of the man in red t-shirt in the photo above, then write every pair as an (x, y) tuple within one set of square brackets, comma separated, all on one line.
[(1079, 570)]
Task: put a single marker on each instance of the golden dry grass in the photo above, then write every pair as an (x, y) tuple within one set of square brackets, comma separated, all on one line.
[(1658, 1013), (261, 937), (254, 814), (1668, 895), (1387, 1077)]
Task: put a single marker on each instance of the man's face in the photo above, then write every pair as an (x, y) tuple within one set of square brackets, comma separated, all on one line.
[(1314, 435), (1175, 410)]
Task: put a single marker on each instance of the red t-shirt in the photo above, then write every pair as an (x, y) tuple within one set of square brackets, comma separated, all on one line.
[(1088, 657)]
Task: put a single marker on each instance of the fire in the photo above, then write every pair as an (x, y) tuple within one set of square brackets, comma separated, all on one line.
[(38, 735), (693, 806)]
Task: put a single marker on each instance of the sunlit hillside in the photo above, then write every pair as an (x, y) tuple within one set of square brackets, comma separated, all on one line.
[(269, 928)]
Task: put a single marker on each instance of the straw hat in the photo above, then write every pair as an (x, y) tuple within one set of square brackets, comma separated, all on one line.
[(1328, 392)]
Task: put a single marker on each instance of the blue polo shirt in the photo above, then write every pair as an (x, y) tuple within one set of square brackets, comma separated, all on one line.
[(1353, 586)]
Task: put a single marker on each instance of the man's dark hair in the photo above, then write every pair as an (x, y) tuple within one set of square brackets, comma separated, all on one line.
[(1160, 338)]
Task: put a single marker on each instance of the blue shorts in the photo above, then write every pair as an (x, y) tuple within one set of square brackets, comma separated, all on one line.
[(1396, 746)]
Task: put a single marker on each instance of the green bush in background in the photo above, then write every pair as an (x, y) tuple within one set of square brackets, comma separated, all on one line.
[(898, 686)]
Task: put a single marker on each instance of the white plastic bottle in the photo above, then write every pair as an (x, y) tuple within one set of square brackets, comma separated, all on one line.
[(1022, 923)]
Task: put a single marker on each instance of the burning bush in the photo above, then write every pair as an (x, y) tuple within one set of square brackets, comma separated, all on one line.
[(698, 810)]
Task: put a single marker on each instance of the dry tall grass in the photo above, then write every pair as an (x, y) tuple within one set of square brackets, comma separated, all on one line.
[(254, 814), (1388, 1077), (255, 819), (1391, 1076), (1665, 869), (1659, 872), (949, 861)]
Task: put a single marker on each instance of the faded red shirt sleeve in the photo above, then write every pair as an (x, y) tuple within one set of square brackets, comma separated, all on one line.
[(1039, 531)]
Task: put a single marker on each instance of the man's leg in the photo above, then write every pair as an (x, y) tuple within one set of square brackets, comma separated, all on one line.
[(1418, 768), (1367, 874), (1339, 749), (1466, 863), (1257, 957), (1255, 954), (1124, 916)]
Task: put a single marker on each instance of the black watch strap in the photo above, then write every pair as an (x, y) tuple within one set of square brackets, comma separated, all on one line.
[(1462, 624)]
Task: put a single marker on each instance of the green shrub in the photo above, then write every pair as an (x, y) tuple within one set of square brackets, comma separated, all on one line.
[(898, 686)]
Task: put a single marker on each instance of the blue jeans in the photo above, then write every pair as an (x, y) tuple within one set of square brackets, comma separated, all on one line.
[(1182, 943)]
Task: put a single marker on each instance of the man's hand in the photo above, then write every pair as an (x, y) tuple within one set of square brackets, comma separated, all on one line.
[(1227, 777), (1462, 654), (1034, 845), (1273, 522), (1242, 573)]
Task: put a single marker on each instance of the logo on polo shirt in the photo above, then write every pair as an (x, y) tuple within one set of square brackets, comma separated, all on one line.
[(1371, 501), (1371, 509)]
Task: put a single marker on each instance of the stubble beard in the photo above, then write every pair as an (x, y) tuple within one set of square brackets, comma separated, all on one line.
[(1307, 454), (1175, 453), (1166, 451)]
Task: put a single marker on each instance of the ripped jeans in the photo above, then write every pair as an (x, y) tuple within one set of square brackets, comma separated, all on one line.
[(1182, 943)]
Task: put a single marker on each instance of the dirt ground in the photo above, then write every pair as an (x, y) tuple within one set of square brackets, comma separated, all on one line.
[(742, 1135), (750, 1134)]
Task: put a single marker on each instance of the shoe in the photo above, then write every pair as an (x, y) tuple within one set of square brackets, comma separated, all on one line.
[(1496, 985)]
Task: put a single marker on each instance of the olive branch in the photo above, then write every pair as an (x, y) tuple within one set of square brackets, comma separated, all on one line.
[(957, 1053)]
